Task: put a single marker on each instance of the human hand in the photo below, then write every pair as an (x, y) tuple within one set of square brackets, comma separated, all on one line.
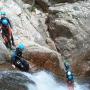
[(13, 66)]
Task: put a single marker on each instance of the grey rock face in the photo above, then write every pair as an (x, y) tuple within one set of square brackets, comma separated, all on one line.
[(25, 24), (14, 80), (44, 58), (69, 28), (51, 44), (47, 3)]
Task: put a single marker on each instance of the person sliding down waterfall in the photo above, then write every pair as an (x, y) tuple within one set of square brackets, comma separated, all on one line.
[(6, 31), (17, 59), (69, 76)]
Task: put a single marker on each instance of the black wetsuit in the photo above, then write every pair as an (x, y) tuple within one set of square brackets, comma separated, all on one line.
[(70, 77), (6, 32), (18, 61)]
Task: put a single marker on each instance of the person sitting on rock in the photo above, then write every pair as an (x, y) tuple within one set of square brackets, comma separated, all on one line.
[(17, 59)]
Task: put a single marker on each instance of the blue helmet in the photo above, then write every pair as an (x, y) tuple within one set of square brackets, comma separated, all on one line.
[(2, 13), (21, 46), (70, 77), (4, 22)]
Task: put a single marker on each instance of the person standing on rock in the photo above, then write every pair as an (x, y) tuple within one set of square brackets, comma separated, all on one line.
[(17, 60), (6, 28)]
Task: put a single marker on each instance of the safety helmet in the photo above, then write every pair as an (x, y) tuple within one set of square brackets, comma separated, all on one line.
[(70, 77), (21, 46), (4, 22), (69, 73), (2, 13)]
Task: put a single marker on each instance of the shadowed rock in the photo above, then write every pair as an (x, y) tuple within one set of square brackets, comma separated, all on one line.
[(13, 81), (45, 59), (68, 25)]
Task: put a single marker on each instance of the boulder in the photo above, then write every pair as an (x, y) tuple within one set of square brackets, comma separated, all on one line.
[(68, 26), (13, 80), (81, 64), (44, 58)]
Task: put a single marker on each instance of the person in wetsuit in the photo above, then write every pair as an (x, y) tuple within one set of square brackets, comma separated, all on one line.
[(17, 59), (6, 28), (69, 74)]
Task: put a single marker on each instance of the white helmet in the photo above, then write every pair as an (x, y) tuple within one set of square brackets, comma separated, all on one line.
[(69, 73)]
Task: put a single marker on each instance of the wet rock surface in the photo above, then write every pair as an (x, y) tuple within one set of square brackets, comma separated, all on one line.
[(13, 80), (45, 59)]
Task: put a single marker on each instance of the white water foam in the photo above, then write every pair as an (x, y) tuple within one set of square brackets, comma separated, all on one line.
[(45, 81)]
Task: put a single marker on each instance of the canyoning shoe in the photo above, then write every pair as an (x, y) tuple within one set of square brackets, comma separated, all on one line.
[(12, 48)]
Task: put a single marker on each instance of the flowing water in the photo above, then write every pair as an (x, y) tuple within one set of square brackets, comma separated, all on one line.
[(38, 81)]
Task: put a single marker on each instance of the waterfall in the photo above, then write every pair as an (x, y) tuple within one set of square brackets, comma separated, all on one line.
[(46, 81), (41, 80)]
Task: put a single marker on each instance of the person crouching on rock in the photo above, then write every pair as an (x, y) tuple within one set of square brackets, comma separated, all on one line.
[(6, 31), (17, 59)]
